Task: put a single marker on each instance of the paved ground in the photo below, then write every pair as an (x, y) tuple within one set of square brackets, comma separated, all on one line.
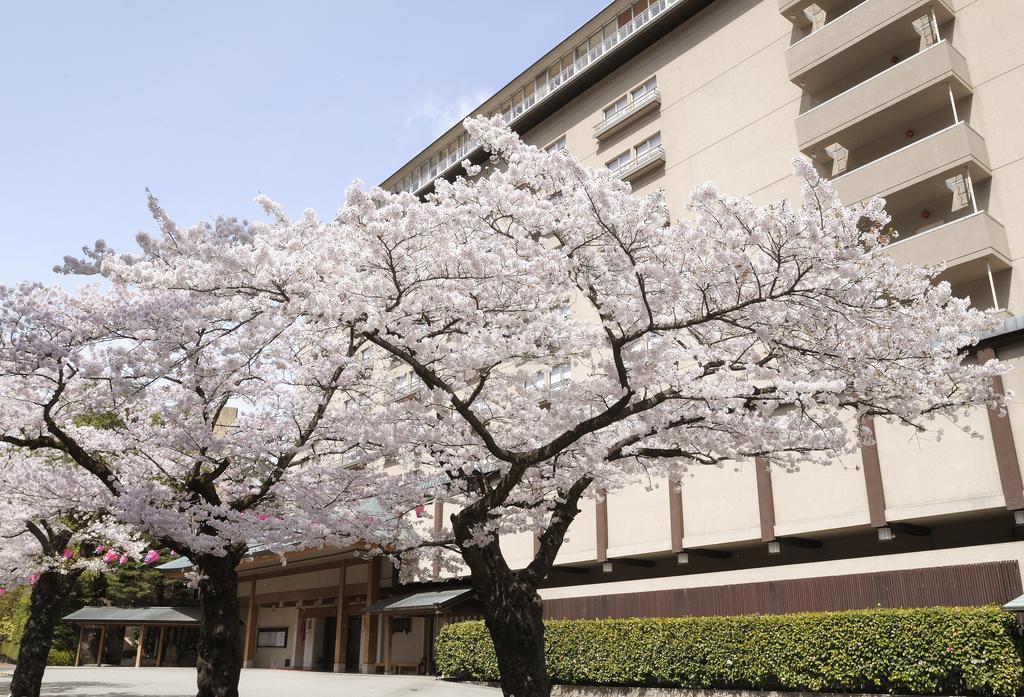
[(181, 682)]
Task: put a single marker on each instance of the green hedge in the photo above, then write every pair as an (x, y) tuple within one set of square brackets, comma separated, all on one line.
[(60, 657), (924, 651)]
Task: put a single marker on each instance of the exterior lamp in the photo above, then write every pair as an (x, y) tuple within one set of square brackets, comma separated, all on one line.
[(774, 547), (885, 534), (682, 558), (1018, 518), (606, 567)]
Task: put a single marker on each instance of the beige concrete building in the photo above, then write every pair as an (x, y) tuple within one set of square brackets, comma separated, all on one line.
[(920, 101)]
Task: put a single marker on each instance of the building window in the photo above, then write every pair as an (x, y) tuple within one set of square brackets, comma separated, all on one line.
[(647, 146), (272, 638), (407, 383), (645, 88), (617, 106), (557, 146), (560, 376), (619, 161)]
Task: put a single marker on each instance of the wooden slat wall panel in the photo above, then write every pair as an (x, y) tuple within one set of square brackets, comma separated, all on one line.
[(966, 584)]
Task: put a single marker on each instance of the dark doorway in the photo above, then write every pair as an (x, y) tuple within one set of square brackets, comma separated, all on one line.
[(330, 630), (355, 633)]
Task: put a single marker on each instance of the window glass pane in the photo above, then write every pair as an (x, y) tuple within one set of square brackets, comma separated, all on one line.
[(643, 89), (557, 145), (619, 104)]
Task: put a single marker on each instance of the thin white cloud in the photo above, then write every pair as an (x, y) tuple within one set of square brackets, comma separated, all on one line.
[(439, 114)]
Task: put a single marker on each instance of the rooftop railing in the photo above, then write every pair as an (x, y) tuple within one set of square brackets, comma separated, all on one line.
[(417, 184)]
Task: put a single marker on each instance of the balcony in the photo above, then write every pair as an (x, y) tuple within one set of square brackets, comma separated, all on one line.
[(964, 244), (907, 81), (869, 30), (953, 148), (641, 165), (650, 101)]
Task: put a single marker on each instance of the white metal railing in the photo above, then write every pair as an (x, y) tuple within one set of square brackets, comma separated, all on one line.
[(625, 112), (638, 163), (417, 183)]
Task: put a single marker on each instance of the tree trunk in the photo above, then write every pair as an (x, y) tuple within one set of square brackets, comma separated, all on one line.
[(48, 594), (219, 664), (514, 617), (513, 613)]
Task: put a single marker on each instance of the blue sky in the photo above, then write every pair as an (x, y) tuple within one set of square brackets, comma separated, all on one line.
[(210, 103)]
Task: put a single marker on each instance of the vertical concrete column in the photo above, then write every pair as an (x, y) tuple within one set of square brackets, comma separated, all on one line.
[(438, 527), (601, 516), (675, 514), (765, 498), (1005, 448), (873, 477)]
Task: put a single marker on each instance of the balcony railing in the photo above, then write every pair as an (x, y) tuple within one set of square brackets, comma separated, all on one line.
[(953, 147), (638, 165), (641, 105), (915, 78), (655, 10), (872, 23)]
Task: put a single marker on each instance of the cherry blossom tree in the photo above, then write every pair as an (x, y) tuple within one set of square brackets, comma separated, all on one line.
[(739, 332), (57, 524), (208, 424)]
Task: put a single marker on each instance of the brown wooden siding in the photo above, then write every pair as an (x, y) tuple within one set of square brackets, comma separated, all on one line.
[(967, 584)]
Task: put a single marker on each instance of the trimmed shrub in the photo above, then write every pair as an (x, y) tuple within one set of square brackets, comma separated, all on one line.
[(60, 657), (920, 651)]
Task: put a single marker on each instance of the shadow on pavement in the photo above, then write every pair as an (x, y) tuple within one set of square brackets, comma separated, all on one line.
[(88, 687)]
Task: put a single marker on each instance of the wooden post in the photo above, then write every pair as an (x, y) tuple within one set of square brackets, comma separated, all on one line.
[(428, 643), (138, 650), (388, 635), (340, 629), (103, 640), (160, 647), (251, 623), (78, 650), (370, 626)]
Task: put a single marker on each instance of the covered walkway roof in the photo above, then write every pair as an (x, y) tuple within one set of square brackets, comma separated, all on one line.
[(135, 616), (427, 602)]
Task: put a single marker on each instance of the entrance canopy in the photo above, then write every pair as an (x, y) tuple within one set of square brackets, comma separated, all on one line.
[(136, 616), (428, 602)]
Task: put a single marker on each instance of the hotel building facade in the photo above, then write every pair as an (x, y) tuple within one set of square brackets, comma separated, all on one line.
[(919, 101)]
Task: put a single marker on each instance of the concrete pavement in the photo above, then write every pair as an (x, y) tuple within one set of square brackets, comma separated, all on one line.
[(181, 682)]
